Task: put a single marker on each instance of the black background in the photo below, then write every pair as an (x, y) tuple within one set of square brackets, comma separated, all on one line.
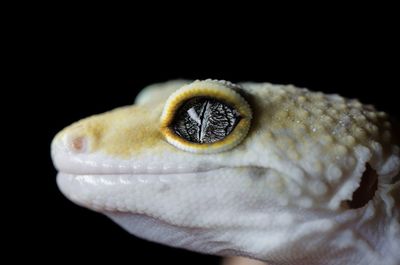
[(70, 74)]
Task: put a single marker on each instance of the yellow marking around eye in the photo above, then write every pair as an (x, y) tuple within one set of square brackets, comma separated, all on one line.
[(215, 90)]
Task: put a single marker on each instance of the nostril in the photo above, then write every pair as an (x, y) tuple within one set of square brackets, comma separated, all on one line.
[(77, 143)]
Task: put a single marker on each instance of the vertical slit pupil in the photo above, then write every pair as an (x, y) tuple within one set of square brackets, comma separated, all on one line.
[(366, 191), (205, 120)]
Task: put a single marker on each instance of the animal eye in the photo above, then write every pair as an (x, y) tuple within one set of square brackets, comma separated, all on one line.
[(206, 117), (205, 120)]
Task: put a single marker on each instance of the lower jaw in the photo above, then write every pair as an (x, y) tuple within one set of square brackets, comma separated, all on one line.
[(85, 189)]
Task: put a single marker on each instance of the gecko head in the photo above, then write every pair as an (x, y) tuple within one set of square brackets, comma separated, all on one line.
[(271, 172)]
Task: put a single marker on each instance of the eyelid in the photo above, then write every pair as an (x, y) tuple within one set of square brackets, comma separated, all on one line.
[(218, 90)]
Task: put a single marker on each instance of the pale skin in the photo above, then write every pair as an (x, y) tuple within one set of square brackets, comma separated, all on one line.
[(293, 177)]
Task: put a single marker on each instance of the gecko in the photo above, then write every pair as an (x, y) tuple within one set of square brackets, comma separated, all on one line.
[(273, 173)]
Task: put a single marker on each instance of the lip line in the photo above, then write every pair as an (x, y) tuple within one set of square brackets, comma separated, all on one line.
[(156, 173), (139, 173)]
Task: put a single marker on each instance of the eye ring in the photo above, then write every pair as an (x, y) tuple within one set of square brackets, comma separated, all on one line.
[(221, 91)]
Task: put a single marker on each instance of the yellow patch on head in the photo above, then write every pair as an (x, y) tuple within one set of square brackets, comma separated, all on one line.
[(124, 131)]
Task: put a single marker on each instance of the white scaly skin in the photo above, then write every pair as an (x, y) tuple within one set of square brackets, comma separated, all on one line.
[(279, 196)]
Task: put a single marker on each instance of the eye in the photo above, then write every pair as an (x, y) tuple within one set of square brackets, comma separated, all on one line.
[(204, 120), (206, 117)]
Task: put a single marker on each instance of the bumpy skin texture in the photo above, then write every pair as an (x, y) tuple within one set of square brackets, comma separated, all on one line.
[(279, 196)]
